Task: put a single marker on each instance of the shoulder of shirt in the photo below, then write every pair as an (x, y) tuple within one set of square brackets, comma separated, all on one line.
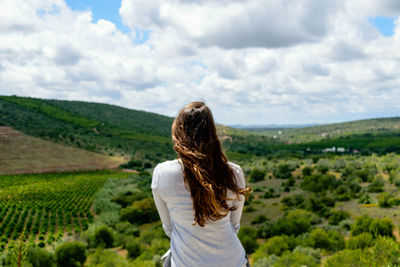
[(235, 166), (167, 164)]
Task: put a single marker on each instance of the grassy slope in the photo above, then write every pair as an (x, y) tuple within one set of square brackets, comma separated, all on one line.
[(96, 127), (21, 153)]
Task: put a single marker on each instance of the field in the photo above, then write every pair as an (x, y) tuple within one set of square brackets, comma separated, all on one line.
[(21, 153), (48, 207)]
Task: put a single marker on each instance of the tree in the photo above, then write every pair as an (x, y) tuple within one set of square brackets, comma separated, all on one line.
[(103, 237), (283, 170), (257, 175), (71, 254)]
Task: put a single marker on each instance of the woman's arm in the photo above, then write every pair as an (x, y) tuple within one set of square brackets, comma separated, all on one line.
[(239, 203), (161, 204)]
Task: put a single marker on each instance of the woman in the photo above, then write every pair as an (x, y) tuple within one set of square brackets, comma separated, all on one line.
[(200, 195)]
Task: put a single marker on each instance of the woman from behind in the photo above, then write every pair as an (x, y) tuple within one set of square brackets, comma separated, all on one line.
[(200, 195)]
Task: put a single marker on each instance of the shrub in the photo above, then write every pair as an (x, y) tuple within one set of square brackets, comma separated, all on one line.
[(336, 240), (266, 231), (298, 258), (319, 182), (346, 258), (103, 237), (306, 171), (283, 170), (365, 199), (248, 238), (249, 244), (275, 245), (362, 241), (337, 216), (140, 212), (266, 261), (270, 193), (295, 222), (376, 186), (394, 201), (70, 254), (39, 257), (342, 193), (319, 239), (384, 200), (376, 227), (381, 227), (257, 175), (322, 168), (133, 248), (361, 225)]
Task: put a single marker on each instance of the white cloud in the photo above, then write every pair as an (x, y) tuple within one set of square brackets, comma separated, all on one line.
[(253, 61)]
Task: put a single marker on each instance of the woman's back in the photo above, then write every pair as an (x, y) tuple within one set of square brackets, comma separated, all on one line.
[(215, 244)]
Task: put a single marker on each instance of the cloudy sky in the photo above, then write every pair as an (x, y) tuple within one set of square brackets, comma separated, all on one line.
[(252, 62)]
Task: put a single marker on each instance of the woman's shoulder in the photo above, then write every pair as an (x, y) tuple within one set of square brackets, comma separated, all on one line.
[(235, 167), (164, 171), (169, 167), (238, 173)]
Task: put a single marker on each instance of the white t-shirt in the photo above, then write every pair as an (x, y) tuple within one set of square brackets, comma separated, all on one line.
[(215, 244)]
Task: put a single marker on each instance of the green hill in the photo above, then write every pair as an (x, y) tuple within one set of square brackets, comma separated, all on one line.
[(95, 127), (375, 127)]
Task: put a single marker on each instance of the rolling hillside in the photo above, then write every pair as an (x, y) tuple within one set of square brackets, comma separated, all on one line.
[(102, 128), (116, 131), (369, 127), (21, 153)]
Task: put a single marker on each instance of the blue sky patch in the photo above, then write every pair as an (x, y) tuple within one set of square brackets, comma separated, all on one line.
[(385, 25), (141, 36), (101, 9)]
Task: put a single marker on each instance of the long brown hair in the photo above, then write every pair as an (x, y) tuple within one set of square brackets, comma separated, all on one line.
[(205, 166)]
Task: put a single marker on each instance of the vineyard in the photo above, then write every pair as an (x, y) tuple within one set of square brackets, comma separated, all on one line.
[(46, 207)]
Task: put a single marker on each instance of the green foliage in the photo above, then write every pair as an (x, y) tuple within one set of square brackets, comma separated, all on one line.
[(384, 200), (381, 227), (268, 261), (133, 247), (140, 212), (376, 227), (270, 193), (365, 199), (259, 219), (377, 185), (385, 252), (70, 254), (337, 216), (331, 240), (103, 237), (319, 182), (283, 171), (361, 225), (307, 171), (299, 257), (106, 258), (40, 257), (360, 241), (295, 222), (257, 175), (276, 245), (248, 238), (346, 258)]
